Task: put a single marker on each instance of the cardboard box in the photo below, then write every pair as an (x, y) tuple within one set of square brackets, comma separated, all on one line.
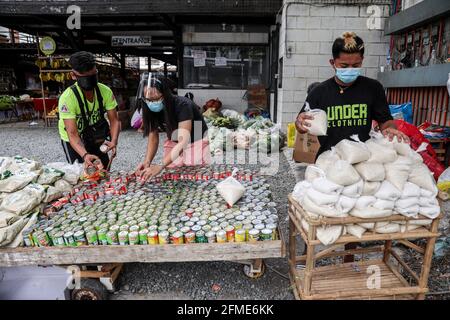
[(306, 148)]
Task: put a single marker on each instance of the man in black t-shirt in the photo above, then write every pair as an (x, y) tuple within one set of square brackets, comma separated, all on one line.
[(350, 100)]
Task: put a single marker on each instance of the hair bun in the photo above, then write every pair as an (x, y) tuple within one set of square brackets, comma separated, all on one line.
[(349, 40)]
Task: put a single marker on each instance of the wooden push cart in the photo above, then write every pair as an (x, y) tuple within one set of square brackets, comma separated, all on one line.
[(376, 278), (100, 266)]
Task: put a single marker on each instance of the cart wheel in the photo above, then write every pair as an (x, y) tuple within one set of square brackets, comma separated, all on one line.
[(91, 289), (254, 275)]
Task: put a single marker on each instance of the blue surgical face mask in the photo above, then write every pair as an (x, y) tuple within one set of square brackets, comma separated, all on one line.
[(348, 75), (155, 106)]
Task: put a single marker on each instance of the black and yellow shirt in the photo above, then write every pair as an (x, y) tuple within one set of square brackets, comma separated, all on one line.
[(350, 112), (69, 108)]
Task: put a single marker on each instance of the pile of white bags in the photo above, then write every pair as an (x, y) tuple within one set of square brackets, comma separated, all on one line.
[(375, 179), (24, 186)]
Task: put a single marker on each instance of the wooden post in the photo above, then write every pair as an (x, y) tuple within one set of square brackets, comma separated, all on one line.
[(427, 259), (310, 261), (387, 250), (292, 243)]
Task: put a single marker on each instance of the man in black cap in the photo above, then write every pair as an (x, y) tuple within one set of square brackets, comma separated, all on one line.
[(82, 124)]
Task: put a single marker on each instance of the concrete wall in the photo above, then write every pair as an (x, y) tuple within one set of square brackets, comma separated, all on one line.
[(231, 99), (305, 45)]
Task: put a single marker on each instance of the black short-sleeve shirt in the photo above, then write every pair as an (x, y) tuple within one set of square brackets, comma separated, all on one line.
[(350, 112), (186, 109)]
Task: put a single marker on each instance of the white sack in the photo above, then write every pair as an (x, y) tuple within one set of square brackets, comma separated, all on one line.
[(410, 228), (319, 125), (18, 240), (329, 234), (23, 201), (430, 212), (353, 190), (428, 202), (321, 198), (326, 186), (410, 190), (388, 192), (429, 194), (380, 152), (342, 173), (17, 181), (398, 172), (5, 163), (300, 190), (327, 158), (313, 172), (370, 188), (365, 201), (231, 190), (390, 228), (353, 151), (345, 204), (7, 218), (411, 212), (63, 185), (372, 225), (421, 176), (384, 204), (72, 172), (370, 212), (49, 176), (370, 171), (419, 222), (406, 203), (355, 230), (52, 194), (8, 234), (325, 210)]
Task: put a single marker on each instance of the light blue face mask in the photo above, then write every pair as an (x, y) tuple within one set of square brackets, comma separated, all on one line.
[(348, 75), (155, 106)]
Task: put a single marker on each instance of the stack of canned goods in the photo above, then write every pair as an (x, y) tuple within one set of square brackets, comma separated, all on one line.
[(166, 212)]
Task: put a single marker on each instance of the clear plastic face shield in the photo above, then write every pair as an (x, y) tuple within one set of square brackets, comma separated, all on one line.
[(150, 88)]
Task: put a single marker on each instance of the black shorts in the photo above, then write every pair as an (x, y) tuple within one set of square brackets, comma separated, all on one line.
[(72, 155)]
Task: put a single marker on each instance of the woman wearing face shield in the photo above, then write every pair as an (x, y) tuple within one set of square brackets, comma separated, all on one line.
[(187, 140)]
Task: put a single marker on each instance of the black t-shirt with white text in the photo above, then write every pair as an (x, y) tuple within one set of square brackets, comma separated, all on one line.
[(186, 109), (350, 112)]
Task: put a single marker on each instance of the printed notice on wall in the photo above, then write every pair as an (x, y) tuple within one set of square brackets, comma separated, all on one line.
[(221, 61), (199, 58)]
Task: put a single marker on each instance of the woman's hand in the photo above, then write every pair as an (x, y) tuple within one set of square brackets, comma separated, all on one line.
[(301, 123), (151, 172), (390, 133), (141, 167)]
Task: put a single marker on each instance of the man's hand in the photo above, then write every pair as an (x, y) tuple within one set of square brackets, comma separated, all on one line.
[(390, 133), (111, 147), (89, 160), (151, 172), (141, 167), (301, 123)]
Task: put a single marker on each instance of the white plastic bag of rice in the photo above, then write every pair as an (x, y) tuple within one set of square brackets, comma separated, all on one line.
[(342, 173), (319, 125), (329, 234), (327, 158), (370, 171), (353, 150), (370, 188), (353, 190), (355, 230), (231, 190)]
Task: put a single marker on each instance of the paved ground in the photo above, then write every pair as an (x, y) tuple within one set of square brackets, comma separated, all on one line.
[(186, 280)]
